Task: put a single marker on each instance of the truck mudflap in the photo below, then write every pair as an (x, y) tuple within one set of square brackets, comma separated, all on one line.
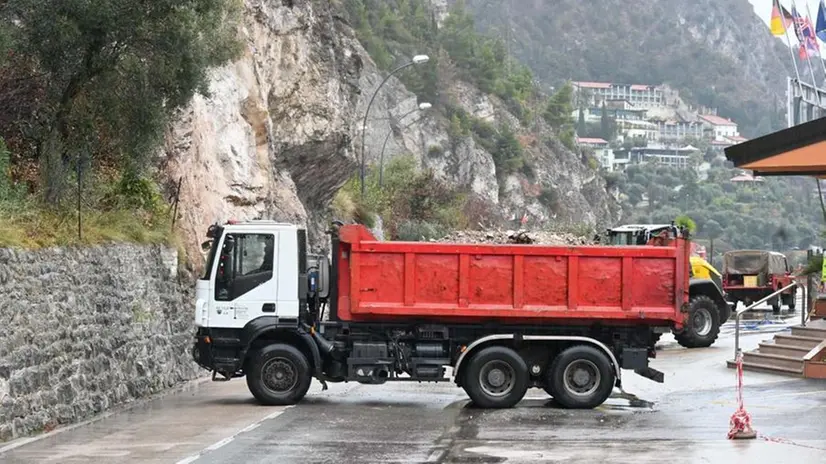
[(651, 373)]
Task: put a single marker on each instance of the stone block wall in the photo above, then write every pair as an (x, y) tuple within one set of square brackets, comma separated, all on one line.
[(86, 329)]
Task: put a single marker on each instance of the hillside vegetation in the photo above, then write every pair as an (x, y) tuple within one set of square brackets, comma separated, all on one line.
[(87, 89), (395, 30), (718, 54), (777, 213)]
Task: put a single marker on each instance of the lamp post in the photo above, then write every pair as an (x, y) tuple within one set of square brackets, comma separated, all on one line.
[(418, 59), (422, 106)]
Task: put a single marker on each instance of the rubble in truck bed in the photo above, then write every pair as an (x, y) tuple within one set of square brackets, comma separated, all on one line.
[(515, 236)]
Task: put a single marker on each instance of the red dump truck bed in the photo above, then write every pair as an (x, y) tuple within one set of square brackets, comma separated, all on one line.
[(510, 283)]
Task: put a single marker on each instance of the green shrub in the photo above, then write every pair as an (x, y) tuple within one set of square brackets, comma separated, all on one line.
[(409, 200), (415, 230)]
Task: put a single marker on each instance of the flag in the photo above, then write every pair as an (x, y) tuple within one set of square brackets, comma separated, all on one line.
[(805, 35), (820, 26), (781, 18)]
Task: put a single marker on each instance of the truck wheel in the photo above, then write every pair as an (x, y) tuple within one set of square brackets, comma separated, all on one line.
[(279, 375), (582, 377), (703, 324), (775, 304), (497, 377), (789, 299)]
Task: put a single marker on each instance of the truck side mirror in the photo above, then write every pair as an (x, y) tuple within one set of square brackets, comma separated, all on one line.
[(206, 245)]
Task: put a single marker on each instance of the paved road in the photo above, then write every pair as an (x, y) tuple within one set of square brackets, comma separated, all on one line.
[(684, 420)]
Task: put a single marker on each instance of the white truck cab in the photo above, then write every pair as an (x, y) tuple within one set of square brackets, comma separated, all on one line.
[(252, 270)]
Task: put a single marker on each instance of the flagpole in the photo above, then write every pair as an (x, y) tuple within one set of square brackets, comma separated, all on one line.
[(808, 58), (789, 42), (814, 32)]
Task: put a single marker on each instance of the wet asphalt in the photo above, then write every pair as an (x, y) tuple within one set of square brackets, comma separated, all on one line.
[(405, 424), (684, 420)]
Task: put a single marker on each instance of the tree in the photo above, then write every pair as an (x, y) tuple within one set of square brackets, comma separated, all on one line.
[(605, 124), (712, 229), (559, 108), (114, 72), (581, 128)]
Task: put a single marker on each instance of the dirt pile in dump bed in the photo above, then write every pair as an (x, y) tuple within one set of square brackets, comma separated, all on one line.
[(515, 236)]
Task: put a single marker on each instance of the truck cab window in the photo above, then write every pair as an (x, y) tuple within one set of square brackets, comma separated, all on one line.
[(246, 262)]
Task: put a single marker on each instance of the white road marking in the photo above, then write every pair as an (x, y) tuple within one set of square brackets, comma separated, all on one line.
[(221, 443), (229, 439)]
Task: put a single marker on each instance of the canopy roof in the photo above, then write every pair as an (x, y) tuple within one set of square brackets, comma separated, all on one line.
[(795, 151), (754, 262)]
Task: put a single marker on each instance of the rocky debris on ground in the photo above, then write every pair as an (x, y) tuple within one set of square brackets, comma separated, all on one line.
[(514, 236)]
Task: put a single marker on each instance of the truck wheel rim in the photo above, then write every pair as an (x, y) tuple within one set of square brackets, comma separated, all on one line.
[(497, 378), (702, 322), (279, 375), (581, 377)]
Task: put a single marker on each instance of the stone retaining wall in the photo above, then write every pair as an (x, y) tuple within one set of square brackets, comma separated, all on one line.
[(85, 329)]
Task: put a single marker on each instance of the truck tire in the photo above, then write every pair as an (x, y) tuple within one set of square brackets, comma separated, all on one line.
[(725, 313), (703, 325), (279, 375), (789, 300), (496, 377), (582, 377), (775, 304)]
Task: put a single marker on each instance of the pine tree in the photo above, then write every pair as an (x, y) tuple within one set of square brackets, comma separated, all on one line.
[(581, 128), (605, 123)]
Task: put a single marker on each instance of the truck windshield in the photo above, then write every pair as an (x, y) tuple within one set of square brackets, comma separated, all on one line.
[(210, 260), (619, 239), (214, 234)]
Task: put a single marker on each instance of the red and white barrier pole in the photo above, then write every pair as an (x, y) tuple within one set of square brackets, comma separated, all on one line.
[(740, 422)]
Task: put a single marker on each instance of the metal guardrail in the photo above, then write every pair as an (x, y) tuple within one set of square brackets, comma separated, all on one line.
[(740, 312)]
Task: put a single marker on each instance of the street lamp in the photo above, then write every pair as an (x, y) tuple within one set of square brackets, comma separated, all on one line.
[(418, 59), (422, 106)]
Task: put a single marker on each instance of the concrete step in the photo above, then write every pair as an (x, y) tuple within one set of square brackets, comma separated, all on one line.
[(774, 360), (797, 340), (783, 350), (813, 332), (757, 367)]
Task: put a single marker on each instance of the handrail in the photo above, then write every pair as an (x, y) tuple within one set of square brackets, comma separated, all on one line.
[(740, 312)]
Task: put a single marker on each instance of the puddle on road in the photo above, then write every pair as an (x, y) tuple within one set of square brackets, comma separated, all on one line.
[(634, 402)]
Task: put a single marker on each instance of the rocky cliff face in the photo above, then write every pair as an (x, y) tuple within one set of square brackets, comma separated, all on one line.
[(581, 194), (273, 138), (281, 130)]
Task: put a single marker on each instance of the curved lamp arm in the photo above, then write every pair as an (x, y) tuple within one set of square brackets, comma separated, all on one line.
[(422, 106), (418, 59)]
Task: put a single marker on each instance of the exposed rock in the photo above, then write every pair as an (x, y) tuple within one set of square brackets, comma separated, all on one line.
[(281, 131), (515, 237), (581, 194), (273, 138)]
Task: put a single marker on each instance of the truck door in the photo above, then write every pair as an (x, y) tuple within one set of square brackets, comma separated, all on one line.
[(246, 279)]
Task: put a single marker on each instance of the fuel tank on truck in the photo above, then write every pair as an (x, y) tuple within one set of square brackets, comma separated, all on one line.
[(380, 280)]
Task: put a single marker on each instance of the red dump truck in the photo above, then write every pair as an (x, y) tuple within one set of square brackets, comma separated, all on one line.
[(498, 319)]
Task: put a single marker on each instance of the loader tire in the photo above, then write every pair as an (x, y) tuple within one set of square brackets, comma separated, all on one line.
[(703, 324), (279, 375)]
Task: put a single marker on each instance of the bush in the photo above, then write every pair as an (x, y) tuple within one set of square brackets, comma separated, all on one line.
[(549, 198), (414, 231), (411, 201), (127, 209)]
